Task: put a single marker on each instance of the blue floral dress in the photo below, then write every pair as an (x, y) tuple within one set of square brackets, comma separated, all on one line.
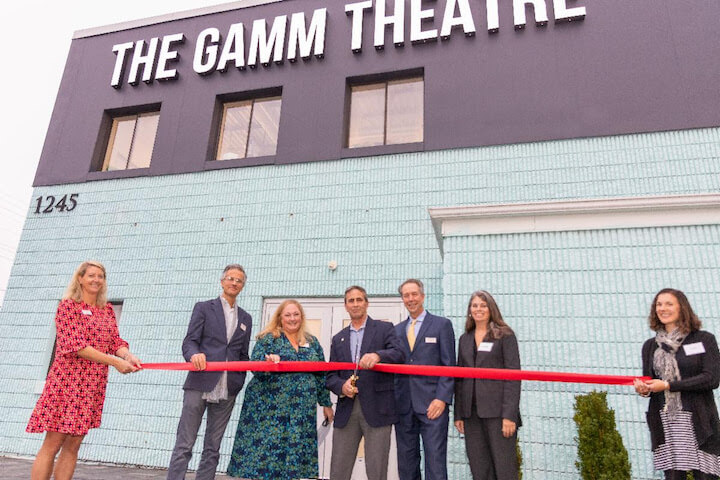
[(276, 436)]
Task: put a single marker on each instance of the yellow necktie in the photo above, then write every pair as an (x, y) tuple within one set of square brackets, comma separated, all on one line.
[(411, 334)]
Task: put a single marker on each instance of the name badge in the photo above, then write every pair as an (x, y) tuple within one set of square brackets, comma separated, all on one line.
[(485, 347), (694, 348), (87, 312), (430, 339), (243, 327), (306, 345)]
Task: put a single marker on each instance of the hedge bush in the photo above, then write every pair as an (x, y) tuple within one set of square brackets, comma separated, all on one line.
[(601, 453)]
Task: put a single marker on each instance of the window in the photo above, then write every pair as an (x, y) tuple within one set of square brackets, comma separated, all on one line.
[(132, 138), (386, 113), (249, 128)]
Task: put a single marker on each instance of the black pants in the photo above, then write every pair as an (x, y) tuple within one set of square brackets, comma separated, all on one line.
[(491, 455), (682, 475)]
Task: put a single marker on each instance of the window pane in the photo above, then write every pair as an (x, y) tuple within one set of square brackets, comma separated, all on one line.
[(264, 127), (120, 142), (367, 115), (144, 140), (234, 131), (405, 111)]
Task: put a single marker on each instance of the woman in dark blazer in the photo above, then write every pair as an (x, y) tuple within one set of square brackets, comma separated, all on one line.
[(684, 364), (487, 412)]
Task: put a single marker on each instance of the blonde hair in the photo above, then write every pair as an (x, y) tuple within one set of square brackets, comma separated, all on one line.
[(74, 290), (274, 326)]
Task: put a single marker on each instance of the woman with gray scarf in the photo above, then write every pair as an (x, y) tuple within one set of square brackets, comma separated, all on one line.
[(684, 364)]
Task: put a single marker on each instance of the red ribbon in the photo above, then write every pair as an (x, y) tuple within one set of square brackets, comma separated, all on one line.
[(428, 370)]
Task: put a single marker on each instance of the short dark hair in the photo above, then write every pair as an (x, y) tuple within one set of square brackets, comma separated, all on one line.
[(688, 321), (355, 287), (415, 281), (234, 266)]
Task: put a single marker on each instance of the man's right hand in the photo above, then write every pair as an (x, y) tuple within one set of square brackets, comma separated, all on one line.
[(198, 361), (348, 390)]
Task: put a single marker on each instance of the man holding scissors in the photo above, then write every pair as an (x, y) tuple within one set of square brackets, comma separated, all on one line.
[(366, 399)]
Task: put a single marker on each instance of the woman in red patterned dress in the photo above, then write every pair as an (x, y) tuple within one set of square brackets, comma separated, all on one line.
[(72, 400)]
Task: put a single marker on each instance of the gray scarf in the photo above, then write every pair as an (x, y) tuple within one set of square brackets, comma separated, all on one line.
[(666, 366)]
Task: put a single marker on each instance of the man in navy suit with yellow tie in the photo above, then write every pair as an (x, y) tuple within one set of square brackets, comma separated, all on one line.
[(423, 401)]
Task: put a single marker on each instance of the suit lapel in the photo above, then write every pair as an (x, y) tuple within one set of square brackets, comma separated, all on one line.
[(238, 329), (220, 318), (424, 325), (346, 354), (403, 326), (367, 336), (482, 357), (468, 348)]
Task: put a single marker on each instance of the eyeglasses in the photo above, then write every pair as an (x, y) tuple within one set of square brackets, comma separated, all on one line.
[(239, 281)]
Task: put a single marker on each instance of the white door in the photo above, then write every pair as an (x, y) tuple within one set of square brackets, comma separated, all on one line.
[(325, 317)]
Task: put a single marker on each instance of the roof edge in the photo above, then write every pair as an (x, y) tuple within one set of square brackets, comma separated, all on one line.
[(169, 17)]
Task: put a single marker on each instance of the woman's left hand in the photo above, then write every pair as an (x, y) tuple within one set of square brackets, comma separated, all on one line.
[(640, 388), (508, 428), (329, 414), (657, 385), (274, 358), (133, 360)]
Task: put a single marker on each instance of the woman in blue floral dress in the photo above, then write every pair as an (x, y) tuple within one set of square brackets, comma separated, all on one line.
[(276, 436)]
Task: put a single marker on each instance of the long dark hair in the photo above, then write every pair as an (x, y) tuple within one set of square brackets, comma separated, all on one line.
[(688, 321), (497, 327)]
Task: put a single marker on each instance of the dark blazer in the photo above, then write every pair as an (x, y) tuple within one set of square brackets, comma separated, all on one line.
[(434, 345), (376, 390), (207, 334), (700, 375), (495, 398)]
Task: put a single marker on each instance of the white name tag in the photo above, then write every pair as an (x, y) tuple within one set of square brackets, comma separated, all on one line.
[(694, 348), (87, 312), (306, 345), (243, 327), (485, 347), (430, 339)]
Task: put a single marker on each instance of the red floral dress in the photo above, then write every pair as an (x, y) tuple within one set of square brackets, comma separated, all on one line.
[(74, 393)]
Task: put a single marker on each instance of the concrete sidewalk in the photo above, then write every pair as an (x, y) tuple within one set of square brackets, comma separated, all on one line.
[(16, 468)]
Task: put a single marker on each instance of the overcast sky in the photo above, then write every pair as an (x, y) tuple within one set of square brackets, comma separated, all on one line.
[(34, 42)]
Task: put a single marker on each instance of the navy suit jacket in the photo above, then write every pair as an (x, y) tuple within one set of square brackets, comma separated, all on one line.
[(207, 334), (434, 345), (495, 398), (376, 390)]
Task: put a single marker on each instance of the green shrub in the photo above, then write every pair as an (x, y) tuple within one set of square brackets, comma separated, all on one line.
[(519, 456), (601, 453)]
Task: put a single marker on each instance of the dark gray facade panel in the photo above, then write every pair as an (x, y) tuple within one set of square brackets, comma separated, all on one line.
[(647, 65)]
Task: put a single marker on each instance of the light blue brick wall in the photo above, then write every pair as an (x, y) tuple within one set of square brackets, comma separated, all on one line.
[(165, 240), (578, 302)]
